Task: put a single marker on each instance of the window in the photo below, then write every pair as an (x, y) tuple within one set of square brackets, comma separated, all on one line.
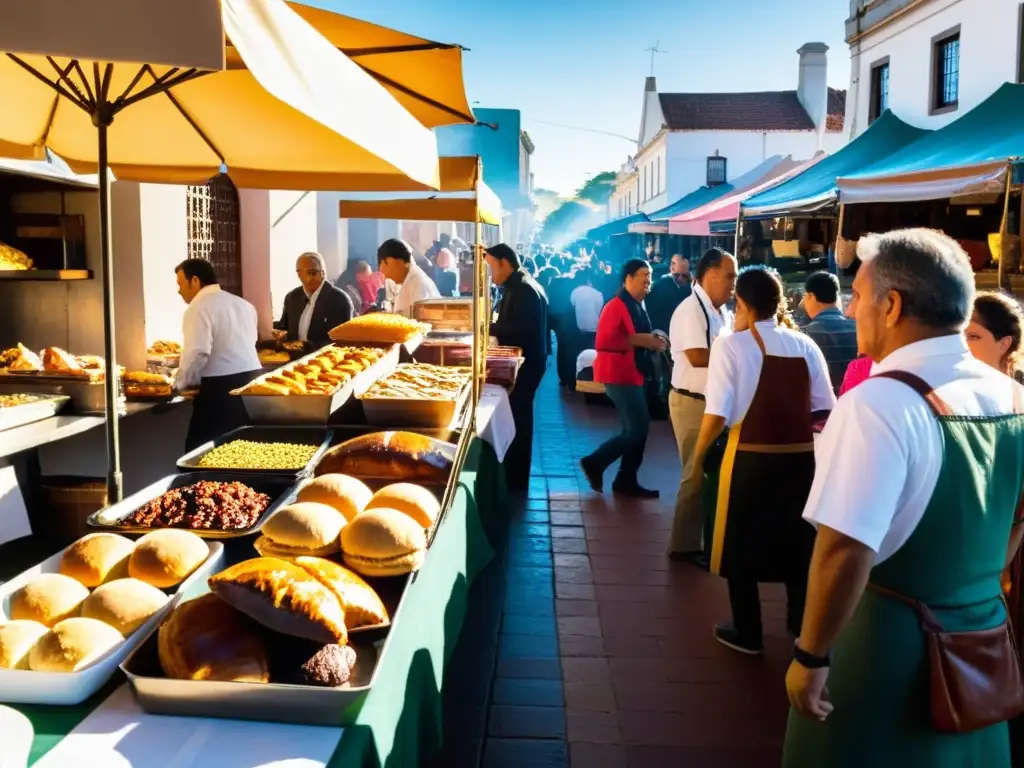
[(657, 176), (211, 215), (716, 170), (1020, 44), (879, 90), (946, 72)]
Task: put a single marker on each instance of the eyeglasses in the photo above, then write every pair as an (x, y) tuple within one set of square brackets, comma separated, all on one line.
[(309, 272)]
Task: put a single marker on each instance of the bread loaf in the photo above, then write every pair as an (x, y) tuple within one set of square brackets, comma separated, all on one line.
[(362, 605), (72, 645), (414, 500), (97, 558), (49, 599), (394, 456)]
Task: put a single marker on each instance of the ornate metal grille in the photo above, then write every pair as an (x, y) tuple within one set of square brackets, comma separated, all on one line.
[(947, 91), (211, 213)]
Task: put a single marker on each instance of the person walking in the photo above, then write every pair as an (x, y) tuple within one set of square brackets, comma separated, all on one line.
[(587, 303), (830, 329), (915, 497), (769, 385), (623, 364), (696, 323)]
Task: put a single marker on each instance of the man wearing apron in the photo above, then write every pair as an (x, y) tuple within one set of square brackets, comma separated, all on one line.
[(920, 473), (769, 384), (218, 352)]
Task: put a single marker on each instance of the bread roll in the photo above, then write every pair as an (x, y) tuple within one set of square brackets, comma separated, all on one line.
[(72, 645), (414, 500), (167, 557), (17, 639), (304, 663), (346, 494), (283, 597), (305, 528), (362, 605), (124, 604), (97, 558), (390, 456), (383, 542), (207, 639), (48, 599)]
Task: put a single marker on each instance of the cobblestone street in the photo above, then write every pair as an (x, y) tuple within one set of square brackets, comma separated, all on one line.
[(586, 646)]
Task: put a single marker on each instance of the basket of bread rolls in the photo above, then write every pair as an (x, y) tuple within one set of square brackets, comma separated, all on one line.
[(67, 623)]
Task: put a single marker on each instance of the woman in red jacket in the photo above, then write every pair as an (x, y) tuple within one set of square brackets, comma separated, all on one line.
[(624, 346)]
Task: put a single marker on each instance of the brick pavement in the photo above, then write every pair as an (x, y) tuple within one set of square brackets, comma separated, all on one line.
[(585, 646)]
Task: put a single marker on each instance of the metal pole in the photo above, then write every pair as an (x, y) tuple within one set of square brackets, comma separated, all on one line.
[(481, 322), (1003, 277), (839, 234), (102, 119), (736, 239)]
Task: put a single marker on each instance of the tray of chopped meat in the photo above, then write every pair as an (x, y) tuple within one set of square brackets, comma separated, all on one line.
[(214, 505)]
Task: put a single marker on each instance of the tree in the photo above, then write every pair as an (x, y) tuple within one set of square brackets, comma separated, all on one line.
[(597, 189)]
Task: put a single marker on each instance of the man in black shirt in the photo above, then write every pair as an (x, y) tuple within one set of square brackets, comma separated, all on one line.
[(522, 322)]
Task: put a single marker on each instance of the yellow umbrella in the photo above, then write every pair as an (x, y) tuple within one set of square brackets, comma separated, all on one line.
[(299, 115)]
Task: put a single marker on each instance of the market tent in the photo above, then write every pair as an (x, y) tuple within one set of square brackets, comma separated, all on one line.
[(971, 155), (614, 227), (815, 189), (51, 169), (696, 222)]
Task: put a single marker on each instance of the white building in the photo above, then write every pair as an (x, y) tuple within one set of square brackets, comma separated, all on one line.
[(624, 199), (930, 61), (688, 140)]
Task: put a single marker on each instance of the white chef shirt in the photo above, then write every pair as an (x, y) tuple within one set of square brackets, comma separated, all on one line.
[(307, 314), (689, 330), (219, 337), (736, 363), (879, 456), (417, 285), (588, 303)]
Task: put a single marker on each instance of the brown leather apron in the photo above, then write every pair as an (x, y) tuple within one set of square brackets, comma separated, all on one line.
[(765, 478)]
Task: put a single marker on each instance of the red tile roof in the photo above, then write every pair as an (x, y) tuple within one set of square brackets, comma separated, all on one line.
[(763, 111)]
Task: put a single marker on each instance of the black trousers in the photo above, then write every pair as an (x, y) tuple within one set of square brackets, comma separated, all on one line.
[(567, 351), (746, 607), (519, 457), (215, 411)]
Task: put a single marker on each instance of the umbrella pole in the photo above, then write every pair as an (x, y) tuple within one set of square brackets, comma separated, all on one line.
[(1003, 278), (736, 240), (111, 377)]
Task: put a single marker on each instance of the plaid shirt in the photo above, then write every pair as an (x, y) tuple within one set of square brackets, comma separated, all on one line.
[(836, 335)]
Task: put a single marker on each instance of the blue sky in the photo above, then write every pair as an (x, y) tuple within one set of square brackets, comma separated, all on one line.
[(582, 62)]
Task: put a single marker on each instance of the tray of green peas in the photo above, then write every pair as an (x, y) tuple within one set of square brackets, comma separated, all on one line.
[(260, 450)]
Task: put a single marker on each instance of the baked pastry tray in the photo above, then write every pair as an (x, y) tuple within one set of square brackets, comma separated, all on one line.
[(320, 436), (415, 412), (22, 686), (87, 396), (273, 702), (41, 407), (280, 487), (316, 409)]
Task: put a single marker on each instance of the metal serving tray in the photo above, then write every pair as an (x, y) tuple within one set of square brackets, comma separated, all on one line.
[(42, 408), (280, 488), (320, 436), (273, 702), (22, 686), (86, 396), (409, 412), (315, 409)]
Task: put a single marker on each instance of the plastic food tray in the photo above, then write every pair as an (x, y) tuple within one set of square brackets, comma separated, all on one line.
[(280, 488), (320, 436), (21, 686)]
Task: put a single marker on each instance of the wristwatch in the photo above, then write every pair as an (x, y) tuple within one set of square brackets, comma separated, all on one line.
[(809, 660)]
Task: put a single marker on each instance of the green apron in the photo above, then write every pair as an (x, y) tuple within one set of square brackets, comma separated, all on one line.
[(952, 562)]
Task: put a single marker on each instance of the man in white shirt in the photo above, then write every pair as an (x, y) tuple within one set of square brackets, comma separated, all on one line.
[(587, 302), (919, 473), (218, 353), (696, 323), (394, 259)]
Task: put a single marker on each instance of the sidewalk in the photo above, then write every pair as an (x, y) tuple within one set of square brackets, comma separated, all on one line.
[(604, 656)]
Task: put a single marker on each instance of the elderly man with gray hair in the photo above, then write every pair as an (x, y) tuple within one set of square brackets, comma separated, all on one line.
[(316, 306), (916, 497)]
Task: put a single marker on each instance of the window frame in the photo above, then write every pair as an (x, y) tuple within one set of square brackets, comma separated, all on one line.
[(875, 108), (938, 43), (725, 170), (1020, 43)]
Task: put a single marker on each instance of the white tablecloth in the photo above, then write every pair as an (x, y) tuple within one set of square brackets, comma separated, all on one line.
[(494, 422)]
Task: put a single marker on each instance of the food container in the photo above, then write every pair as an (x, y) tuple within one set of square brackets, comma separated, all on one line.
[(446, 349), (445, 314), (273, 702), (85, 396), (39, 408), (319, 436), (315, 409), (280, 488), (20, 686), (415, 412)]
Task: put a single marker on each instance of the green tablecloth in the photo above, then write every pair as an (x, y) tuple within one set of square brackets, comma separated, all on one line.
[(400, 720)]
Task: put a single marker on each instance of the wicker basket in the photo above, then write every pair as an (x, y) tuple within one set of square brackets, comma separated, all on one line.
[(69, 500)]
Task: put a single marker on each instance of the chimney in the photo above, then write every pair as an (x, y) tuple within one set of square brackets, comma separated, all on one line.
[(812, 88), (651, 117)]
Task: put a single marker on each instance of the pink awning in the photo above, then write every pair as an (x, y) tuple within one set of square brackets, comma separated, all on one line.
[(698, 221)]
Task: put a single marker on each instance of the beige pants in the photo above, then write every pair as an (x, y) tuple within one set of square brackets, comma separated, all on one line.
[(688, 524)]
